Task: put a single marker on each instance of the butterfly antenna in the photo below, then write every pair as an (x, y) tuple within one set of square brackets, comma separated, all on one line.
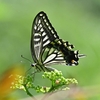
[(29, 61), (26, 58)]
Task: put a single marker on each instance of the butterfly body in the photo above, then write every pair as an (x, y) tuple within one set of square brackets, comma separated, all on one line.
[(47, 48)]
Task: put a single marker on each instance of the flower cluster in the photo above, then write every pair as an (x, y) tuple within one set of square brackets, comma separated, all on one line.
[(58, 82)]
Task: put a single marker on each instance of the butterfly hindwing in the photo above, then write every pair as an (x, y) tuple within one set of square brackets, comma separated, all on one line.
[(54, 58)]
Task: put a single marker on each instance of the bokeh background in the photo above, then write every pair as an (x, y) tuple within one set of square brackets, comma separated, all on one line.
[(77, 21)]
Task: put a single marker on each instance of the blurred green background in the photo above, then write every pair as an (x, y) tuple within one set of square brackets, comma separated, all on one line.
[(77, 21)]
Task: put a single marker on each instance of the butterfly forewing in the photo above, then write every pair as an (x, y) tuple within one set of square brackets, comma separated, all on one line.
[(42, 34)]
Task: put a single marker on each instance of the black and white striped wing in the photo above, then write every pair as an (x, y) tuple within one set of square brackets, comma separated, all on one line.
[(47, 48), (54, 58), (42, 34)]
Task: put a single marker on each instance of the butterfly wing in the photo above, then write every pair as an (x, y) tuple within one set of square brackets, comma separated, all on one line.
[(44, 38), (55, 57)]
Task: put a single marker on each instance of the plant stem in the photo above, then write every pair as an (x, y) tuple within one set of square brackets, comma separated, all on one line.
[(29, 92)]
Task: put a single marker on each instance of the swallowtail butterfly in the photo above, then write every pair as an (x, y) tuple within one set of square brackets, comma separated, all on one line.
[(47, 48)]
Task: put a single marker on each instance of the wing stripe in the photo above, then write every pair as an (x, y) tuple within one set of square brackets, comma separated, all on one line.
[(45, 38), (46, 43)]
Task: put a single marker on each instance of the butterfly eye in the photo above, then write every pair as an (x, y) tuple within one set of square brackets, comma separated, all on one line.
[(33, 65)]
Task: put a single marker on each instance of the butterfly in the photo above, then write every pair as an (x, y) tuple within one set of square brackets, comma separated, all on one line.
[(47, 48)]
